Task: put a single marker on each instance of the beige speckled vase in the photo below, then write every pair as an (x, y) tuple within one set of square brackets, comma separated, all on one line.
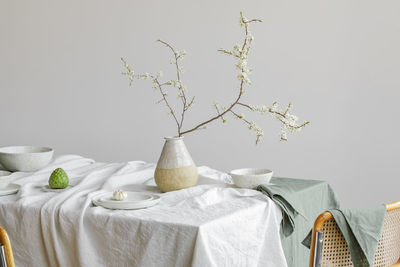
[(175, 169)]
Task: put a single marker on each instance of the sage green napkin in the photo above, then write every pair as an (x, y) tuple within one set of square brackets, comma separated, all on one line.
[(361, 228), (301, 202)]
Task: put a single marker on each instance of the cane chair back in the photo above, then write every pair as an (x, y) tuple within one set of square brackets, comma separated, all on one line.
[(329, 248)]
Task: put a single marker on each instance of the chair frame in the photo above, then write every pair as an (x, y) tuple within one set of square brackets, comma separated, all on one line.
[(5, 241), (317, 234)]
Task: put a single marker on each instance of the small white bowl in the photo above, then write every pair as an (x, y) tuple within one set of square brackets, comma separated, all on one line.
[(250, 178), (25, 158), (5, 179)]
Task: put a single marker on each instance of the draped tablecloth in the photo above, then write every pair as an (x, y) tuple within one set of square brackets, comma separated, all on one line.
[(211, 224)]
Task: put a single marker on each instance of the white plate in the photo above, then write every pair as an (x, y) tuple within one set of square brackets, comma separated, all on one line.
[(104, 200), (133, 197), (47, 188), (10, 189)]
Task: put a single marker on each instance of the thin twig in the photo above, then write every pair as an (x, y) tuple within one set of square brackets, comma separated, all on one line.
[(240, 88), (183, 97), (164, 96), (247, 122)]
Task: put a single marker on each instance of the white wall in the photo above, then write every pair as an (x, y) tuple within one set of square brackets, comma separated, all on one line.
[(338, 61)]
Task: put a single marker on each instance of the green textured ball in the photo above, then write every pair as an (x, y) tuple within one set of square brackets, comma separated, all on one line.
[(58, 179)]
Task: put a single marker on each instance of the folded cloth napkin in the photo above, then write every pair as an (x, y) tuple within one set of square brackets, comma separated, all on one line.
[(361, 228), (301, 202)]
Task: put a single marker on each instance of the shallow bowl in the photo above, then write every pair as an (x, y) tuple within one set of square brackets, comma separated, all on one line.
[(5, 179), (250, 178), (25, 158)]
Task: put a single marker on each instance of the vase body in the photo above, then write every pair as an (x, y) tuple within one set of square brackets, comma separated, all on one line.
[(175, 168)]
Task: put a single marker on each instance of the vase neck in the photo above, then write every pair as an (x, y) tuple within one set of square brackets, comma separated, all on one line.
[(173, 138)]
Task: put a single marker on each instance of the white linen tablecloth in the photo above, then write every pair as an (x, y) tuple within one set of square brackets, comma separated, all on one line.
[(211, 224)]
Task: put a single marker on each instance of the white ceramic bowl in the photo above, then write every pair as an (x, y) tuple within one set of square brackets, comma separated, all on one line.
[(5, 179), (250, 178), (25, 158)]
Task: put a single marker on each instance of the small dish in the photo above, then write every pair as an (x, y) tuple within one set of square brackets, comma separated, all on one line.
[(250, 178), (131, 198), (47, 188), (5, 179), (104, 200), (10, 189), (25, 158)]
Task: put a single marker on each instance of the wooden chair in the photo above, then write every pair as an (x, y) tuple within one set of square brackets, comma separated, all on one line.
[(5, 242), (329, 248)]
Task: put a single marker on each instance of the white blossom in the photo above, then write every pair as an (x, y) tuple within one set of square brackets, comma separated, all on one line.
[(261, 108), (180, 54), (237, 51), (253, 126), (242, 64), (283, 136), (249, 37), (176, 83), (242, 20), (274, 107), (244, 77)]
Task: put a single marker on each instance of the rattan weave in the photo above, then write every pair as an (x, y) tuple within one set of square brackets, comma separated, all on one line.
[(335, 252)]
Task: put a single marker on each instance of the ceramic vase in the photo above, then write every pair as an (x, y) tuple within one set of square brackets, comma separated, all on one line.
[(175, 169)]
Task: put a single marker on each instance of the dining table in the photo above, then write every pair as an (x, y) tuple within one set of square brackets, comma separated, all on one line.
[(213, 223)]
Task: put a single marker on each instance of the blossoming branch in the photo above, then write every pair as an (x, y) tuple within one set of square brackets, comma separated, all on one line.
[(289, 122)]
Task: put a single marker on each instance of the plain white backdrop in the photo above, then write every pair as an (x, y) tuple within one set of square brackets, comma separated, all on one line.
[(337, 61)]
